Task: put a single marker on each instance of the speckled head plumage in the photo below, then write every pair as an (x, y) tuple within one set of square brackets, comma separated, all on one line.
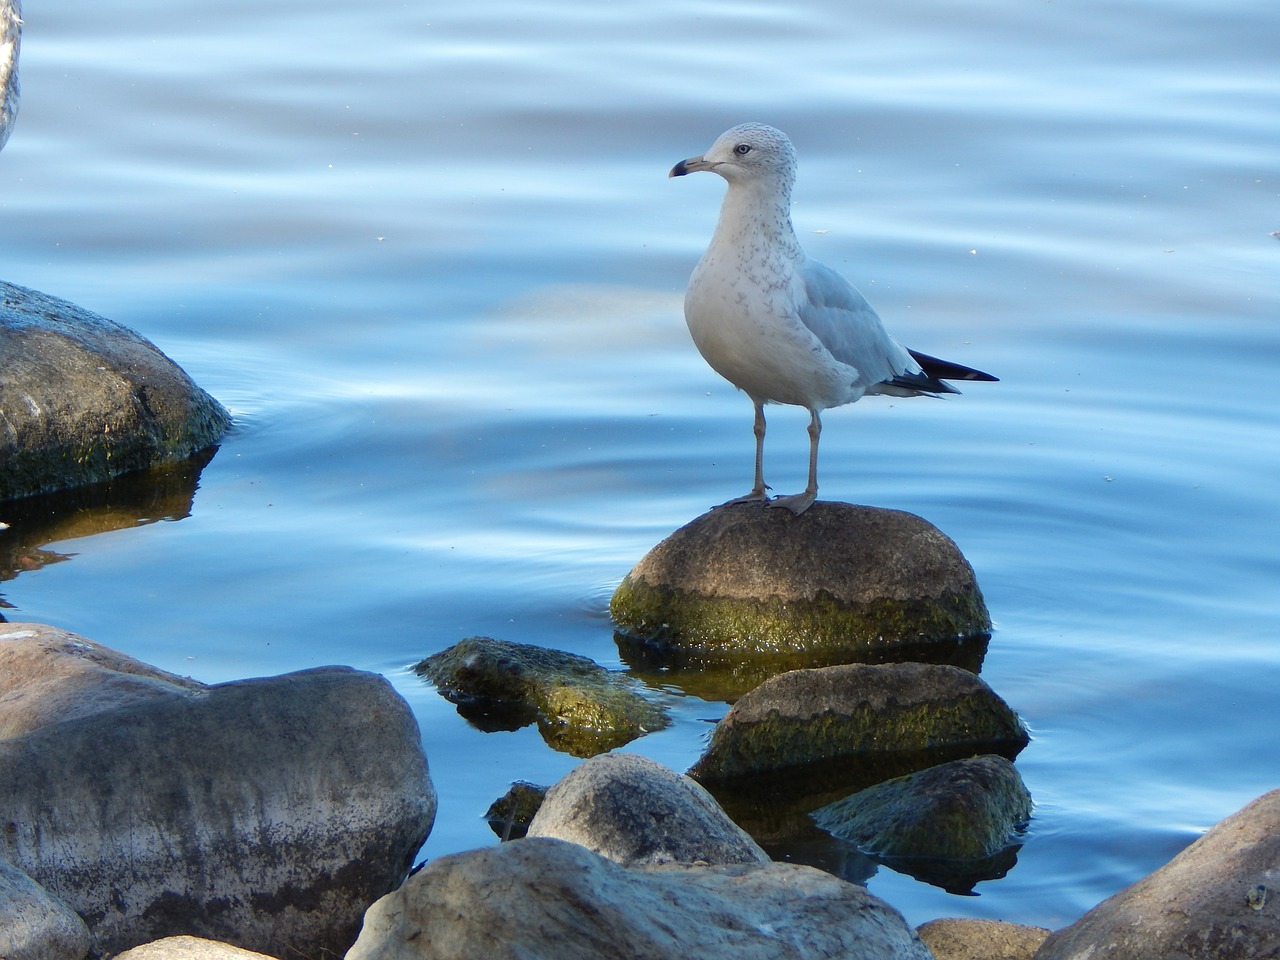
[(749, 151)]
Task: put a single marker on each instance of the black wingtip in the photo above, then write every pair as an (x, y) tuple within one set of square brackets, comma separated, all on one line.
[(946, 370)]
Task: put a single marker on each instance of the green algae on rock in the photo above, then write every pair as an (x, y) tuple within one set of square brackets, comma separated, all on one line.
[(84, 399), (510, 815), (963, 810), (580, 707), (831, 723), (840, 583)]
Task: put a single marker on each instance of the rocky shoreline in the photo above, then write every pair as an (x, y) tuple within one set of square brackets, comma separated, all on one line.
[(150, 816)]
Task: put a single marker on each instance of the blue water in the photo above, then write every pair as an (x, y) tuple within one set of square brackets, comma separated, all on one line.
[(431, 261)]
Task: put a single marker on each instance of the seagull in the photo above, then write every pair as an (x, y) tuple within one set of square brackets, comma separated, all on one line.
[(779, 326), (10, 38)]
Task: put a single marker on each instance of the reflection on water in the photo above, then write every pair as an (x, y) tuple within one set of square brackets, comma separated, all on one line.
[(726, 680), (126, 502)]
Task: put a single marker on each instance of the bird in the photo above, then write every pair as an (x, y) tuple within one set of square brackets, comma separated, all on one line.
[(779, 325), (10, 40)]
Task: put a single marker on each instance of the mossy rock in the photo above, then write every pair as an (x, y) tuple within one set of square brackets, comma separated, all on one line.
[(84, 399), (967, 809), (580, 707), (839, 583), (510, 815), (825, 725)]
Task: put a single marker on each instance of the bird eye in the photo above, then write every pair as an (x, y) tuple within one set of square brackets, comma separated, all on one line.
[(742, 149)]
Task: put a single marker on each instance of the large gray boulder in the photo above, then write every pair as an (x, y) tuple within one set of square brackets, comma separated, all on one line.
[(838, 584), (49, 675), (637, 812), (34, 924), (83, 399), (1219, 898), (543, 899), (265, 813)]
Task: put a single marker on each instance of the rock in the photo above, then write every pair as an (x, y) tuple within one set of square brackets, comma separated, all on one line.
[(837, 584), (543, 899), (188, 948), (84, 399), (510, 815), (34, 924), (962, 810), (853, 722), (48, 675), (637, 812), (580, 707), (1218, 898), (952, 825), (266, 813), (950, 939)]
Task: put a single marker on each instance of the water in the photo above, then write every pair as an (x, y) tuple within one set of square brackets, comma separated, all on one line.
[(431, 261)]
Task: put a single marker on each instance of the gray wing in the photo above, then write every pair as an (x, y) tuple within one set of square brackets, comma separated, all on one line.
[(840, 317)]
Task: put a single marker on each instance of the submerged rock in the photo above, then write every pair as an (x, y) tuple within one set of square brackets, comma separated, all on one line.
[(1219, 898), (269, 812), (958, 939), (510, 815), (838, 584), (84, 399), (953, 825), (580, 707), (850, 723), (963, 810), (34, 924), (542, 899), (637, 812)]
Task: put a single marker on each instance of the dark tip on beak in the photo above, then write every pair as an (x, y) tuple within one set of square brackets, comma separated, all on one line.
[(692, 165)]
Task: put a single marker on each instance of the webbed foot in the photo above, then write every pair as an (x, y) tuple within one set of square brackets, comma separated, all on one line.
[(797, 503), (756, 495)]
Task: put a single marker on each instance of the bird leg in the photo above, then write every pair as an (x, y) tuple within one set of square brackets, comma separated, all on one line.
[(758, 490), (798, 503)]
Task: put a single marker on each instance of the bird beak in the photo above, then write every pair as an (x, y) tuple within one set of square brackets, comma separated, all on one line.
[(692, 165)]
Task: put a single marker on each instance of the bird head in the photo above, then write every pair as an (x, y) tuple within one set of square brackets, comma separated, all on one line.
[(749, 151)]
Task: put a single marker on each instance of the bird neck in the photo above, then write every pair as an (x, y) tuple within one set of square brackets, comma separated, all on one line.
[(760, 210)]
